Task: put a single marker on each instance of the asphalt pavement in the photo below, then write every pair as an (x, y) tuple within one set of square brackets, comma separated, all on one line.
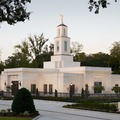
[(51, 110)]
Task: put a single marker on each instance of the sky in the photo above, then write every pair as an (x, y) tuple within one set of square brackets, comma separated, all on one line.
[(96, 32)]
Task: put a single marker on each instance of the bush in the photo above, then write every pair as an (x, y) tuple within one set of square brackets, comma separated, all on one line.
[(105, 107), (23, 102), (114, 108)]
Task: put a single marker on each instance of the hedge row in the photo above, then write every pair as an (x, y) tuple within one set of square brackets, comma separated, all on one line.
[(104, 107)]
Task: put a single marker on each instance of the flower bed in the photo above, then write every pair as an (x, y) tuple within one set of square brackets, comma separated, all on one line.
[(9, 113)]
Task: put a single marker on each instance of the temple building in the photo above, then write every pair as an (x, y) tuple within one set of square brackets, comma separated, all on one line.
[(60, 73)]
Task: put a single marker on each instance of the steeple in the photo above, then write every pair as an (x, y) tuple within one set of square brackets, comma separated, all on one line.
[(61, 19), (62, 41), (62, 57)]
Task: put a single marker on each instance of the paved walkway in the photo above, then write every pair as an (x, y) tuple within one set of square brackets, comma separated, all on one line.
[(54, 111)]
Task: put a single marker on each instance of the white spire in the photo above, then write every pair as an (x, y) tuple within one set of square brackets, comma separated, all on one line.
[(62, 18)]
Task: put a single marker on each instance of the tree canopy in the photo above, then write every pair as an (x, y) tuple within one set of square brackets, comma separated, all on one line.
[(115, 57), (32, 52), (13, 11), (96, 4)]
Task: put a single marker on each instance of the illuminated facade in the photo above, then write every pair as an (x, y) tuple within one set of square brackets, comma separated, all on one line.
[(59, 73)]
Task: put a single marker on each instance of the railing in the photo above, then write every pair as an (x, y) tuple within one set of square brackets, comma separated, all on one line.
[(42, 94), (65, 95), (99, 95), (5, 94)]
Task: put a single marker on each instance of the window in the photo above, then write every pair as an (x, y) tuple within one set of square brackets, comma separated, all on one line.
[(33, 88), (57, 46), (64, 31), (50, 89), (97, 87), (98, 83), (60, 64), (116, 85), (65, 46), (45, 88), (58, 31)]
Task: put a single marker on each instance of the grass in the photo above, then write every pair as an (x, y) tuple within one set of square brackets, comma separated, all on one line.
[(14, 118)]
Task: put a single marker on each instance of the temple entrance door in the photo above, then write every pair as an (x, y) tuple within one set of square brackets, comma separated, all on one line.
[(14, 87)]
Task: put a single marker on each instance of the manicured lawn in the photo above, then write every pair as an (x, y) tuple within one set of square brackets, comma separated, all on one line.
[(13, 118)]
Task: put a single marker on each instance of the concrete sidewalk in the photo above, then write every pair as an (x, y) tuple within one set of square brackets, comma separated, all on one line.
[(54, 111)]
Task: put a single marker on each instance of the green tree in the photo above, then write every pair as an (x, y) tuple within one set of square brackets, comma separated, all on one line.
[(17, 60), (80, 57), (30, 53), (51, 47), (76, 48), (98, 59), (115, 57), (23, 53), (98, 88), (96, 4), (86, 91), (12, 62), (8, 88), (13, 11), (2, 66), (23, 102), (48, 52), (82, 93), (36, 46), (116, 88)]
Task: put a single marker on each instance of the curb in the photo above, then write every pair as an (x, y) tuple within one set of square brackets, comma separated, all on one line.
[(37, 117)]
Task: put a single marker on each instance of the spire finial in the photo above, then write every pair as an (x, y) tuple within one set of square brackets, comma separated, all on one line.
[(61, 18)]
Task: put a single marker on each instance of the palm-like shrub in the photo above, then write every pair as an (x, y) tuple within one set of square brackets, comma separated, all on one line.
[(98, 88), (23, 102), (116, 89)]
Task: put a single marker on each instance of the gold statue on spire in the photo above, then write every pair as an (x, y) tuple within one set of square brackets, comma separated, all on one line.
[(62, 18)]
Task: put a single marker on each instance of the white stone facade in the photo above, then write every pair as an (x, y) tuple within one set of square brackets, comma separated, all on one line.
[(60, 72)]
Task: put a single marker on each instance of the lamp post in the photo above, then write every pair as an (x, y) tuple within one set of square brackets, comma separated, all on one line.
[(20, 83), (71, 90), (5, 83)]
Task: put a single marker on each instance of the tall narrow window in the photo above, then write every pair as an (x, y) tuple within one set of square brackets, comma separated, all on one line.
[(57, 46), (33, 88), (58, 32), (64, 31), (45, 88), (50, 89), (65, 46)]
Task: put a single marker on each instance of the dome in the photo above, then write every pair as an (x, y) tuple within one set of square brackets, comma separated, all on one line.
[(62, 25)]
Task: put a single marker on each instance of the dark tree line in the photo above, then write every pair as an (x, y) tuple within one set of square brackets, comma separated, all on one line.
[(102, 59), (98, 59)]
